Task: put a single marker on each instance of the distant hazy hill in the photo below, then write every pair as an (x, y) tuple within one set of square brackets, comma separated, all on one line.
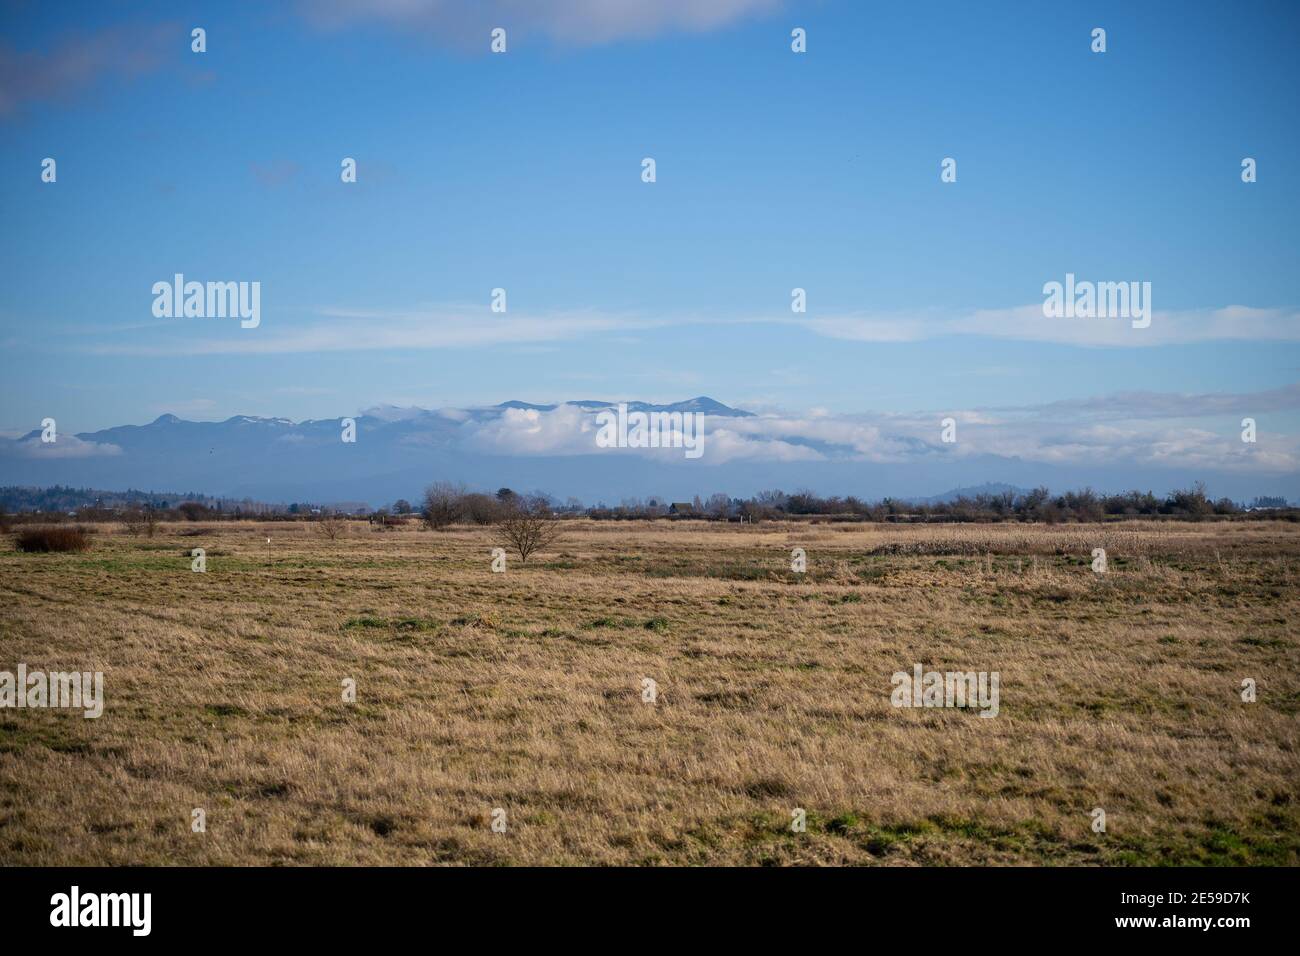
[(398, 452), (59, 498), (988, 488), (535, 447)]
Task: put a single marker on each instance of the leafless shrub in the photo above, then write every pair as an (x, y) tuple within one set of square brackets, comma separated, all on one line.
[(527, 526), (49, 539), (140, 519), (331, 526), (482, 509), (193, 510), (443, 504)]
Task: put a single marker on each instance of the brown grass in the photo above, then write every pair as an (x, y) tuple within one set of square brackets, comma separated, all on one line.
[(522, 691)]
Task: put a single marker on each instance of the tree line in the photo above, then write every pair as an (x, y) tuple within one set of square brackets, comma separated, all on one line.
[(1039, 504), (446, 503)]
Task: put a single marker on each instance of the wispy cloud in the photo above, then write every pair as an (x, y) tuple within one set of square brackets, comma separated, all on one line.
[(81, 62), (278, 172), (570, 22), (1027, 324), (459, 325), (1149, 406), (344, 330)]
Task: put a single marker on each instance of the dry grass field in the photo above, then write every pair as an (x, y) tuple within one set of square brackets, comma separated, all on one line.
[(522, 691)]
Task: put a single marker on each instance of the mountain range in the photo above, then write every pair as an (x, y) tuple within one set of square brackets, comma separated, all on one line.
[(544, 447), (396, 453)]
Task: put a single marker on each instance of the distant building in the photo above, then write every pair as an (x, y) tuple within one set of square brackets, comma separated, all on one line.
[(685, 509)]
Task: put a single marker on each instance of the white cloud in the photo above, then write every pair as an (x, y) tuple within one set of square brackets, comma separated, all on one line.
[(1026, 323), (1107, 430), (525, 431), (460, 325), (343, 330), (1149, 406), (67, 446), (571, 22)]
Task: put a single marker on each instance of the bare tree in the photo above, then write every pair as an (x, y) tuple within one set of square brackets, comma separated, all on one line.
[(192, 510), (331, 526), (444, 504), (719, 506), (482, 509), (527, 526), (140, 518)]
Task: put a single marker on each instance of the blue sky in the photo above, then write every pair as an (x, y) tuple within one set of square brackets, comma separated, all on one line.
[(775, 170)]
